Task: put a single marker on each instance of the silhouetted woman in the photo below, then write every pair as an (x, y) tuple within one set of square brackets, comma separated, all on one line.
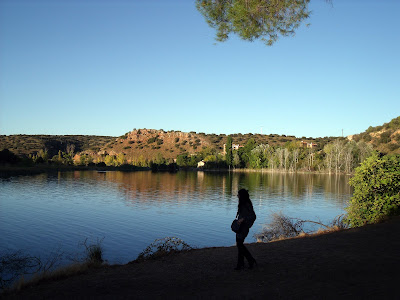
[(246, 218)]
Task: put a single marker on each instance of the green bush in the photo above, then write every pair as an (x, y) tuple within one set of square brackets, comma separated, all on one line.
[(385, 137), (151, 140), (367, 137), (376, 190)]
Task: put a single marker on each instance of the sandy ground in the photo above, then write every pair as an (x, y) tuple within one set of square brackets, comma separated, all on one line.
[(362, 263)]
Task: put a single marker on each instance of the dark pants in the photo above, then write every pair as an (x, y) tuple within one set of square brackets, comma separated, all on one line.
[(243, 252)]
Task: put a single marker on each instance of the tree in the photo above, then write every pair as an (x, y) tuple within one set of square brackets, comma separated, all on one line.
[(120, 160), (6, 156), (254, 19), (376, 190), (236, 159), (228, 151), (245, 152)]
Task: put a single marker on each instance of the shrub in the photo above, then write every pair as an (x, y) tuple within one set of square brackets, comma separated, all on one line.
[(367, 137), (283, 227), (376, 190), (151, 140), (385, 137), (393, 147), (162, 247), (13, 265), (93, 252)]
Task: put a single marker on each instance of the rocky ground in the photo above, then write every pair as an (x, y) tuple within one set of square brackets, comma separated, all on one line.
[(361, 263)]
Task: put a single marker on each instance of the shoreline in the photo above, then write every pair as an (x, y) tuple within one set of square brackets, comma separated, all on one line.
[(8, 171), (354, 263)]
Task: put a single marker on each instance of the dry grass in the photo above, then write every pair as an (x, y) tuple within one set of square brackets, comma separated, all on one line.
[(18, 269), (60, 273)]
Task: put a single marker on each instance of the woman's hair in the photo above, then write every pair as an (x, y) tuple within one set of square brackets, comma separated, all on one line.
[(244, 197)]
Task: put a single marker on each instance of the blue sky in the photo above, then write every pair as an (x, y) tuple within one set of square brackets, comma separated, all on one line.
[(106, 67)]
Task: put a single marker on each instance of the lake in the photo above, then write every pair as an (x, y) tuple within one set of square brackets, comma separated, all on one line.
[(42, 213)]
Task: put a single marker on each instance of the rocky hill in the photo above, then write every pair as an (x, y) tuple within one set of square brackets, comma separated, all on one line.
[(148, 143), (384, 138)]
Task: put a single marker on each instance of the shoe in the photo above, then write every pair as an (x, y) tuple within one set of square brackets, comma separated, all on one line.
[(238, 268), (253, 264)]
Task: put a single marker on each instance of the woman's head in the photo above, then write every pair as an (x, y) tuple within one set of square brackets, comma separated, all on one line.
[(244, 197)]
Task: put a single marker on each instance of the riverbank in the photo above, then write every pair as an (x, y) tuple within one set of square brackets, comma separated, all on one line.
[(8, 171), (359, 263)]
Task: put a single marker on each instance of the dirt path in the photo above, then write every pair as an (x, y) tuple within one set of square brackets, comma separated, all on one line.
[(361, 263)]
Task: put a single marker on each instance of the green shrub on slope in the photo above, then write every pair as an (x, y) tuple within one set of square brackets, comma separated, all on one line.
[(376, 190)]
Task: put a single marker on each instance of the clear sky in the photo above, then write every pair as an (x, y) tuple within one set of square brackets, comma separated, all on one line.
[(105, 67)]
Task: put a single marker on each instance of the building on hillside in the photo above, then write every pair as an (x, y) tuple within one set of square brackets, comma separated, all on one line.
[(308, 145), (234, 147), (201, 164)]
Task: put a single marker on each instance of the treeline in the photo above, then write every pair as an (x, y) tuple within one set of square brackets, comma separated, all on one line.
[(70, 158), (339, 156)]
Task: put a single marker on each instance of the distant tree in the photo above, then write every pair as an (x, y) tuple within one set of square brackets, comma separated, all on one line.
[(70, 149), (228, 150), (245, 152), (386, 136), (110, 160), (120, 160), (236, 159), (159, 159), (259, 156), (6, 156)]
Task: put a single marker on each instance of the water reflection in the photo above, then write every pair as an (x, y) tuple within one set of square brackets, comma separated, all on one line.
[(131, 209), (180, 186)]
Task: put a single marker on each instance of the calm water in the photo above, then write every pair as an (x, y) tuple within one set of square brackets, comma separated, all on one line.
[(39, 214)]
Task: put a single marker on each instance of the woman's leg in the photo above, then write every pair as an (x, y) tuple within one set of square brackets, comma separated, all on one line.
[(241, 251)]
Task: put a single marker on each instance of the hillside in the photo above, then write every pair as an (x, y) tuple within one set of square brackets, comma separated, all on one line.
[(23, 145), (384, 138), (149, 143), (144, 143)]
